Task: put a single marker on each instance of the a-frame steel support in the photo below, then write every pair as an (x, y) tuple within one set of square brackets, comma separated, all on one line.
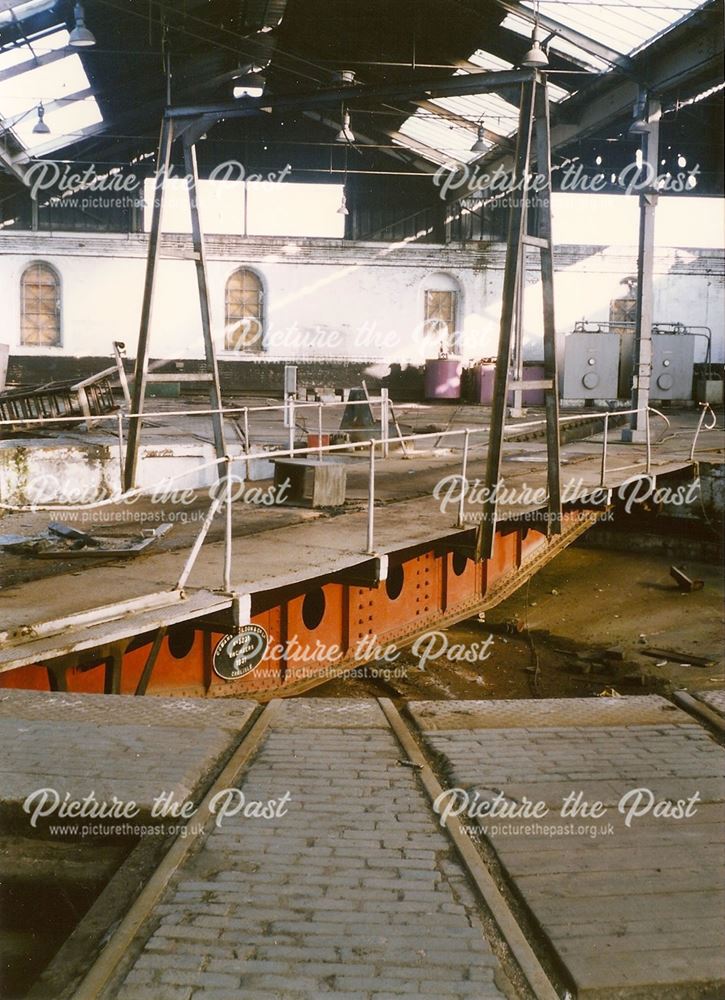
[(533, 129), (142, 377)]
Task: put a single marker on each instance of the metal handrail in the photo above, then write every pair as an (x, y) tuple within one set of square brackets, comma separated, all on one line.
[(224, 496), (710, 427)]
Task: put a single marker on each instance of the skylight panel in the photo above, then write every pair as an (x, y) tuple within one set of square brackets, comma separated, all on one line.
[(22, 10), (497, 113), (14, 56), (621, 25), (579, 55), (50, 43), (450, 140), (42, 83), (64, 123), (524, 27), (53, 85), (487, 60), (25, 52)]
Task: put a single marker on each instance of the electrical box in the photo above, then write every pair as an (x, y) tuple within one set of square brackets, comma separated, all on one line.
[(591, 366), (673, 360)]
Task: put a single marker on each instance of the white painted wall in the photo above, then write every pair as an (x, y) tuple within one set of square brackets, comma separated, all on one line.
[(328, 299)]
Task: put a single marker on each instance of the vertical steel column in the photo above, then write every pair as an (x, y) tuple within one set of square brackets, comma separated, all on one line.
[(514, 249), (516, 409), (139, 386), (534, 112), (215, 394), (637, 431), (551, 394)]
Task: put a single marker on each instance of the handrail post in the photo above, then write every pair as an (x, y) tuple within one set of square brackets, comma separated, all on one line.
[(119, 424), (228, 530), (371, 502), (464, 478), (705, 408), (384, 422), (603, 474), (291, 412), (247, 442), (648, 441), (199, 541), (319, 430)]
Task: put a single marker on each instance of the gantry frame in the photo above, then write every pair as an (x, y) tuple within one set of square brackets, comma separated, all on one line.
[(188, 123)]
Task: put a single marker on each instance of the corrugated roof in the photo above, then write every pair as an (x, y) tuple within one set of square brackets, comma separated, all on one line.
[(445, 139), (580, 56), (622, 25)]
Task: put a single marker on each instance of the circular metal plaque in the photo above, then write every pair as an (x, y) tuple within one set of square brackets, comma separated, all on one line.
[(238, 655)]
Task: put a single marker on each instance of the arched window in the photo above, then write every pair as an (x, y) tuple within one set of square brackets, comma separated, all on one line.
[(40, 306), (243, 322), (441, 304)]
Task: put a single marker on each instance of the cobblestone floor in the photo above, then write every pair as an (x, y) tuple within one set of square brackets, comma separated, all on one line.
[(133, 748), (350, 890), (352, 894), (630, 909)]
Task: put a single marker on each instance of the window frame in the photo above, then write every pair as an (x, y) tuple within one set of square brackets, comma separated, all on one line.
[(435, 283), (59, 343), (261, 347)]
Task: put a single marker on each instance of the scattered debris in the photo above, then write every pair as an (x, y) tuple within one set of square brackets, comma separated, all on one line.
[(80, 538), (411, 764), (60, 541), (684, 659), (683, 581), (609, 693), (511, 626)]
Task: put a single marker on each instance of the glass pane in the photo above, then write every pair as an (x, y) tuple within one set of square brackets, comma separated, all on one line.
[(243, 313), (40, 307)]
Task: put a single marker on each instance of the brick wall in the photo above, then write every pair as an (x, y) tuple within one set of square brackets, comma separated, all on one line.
[(238, 378)]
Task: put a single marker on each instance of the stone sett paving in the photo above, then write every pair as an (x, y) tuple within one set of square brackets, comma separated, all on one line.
[(633, 910), (352, 895), (713, 699), (133, 748)]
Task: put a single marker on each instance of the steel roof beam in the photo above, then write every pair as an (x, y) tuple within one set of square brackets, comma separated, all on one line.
[(402, 155), (8, 163), (454, 86)]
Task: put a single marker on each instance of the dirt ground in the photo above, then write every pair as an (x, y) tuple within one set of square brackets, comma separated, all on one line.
[(589, 620)]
